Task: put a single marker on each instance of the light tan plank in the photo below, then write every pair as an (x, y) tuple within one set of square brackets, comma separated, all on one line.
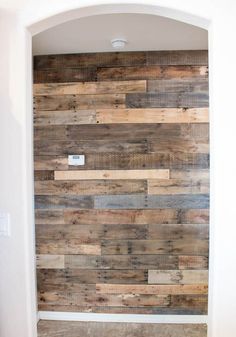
[(112, 174), (68, 117), (159, 115), (71, 246), (89, 88), (177, 186), (50, 261), (177, 276), (179, 289)]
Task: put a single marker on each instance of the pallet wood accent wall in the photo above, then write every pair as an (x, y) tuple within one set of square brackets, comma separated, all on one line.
[(128, 231)]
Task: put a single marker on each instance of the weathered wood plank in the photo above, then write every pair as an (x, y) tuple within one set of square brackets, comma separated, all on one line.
[(178, 85), (182, 160), (74, 298), (178, 144), (121, 262), (151, 289), (192, 246), (178, 186), (58, 202), (61, 75), (198, 174), (57, 147), (178, 57), (150, 72), (178, 276), (42, 163), (115, 217), (170, 131), (167, 100), (151, 201), (50, 261), (198, 303), (75, 102), (178, 232), (112, 174), (193, 262), (90, 187), (85, 60), (43, 175), (77, 276), (64, 247), (89, 88), (158, 115), (89, 234), (64, 117)]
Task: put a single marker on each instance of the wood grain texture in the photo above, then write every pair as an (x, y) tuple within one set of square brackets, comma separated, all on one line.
[(128, 231)]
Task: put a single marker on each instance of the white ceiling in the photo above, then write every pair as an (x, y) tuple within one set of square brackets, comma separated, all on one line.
[(143, 32)]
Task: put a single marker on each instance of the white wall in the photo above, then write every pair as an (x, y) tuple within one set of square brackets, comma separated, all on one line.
[(16, 262)]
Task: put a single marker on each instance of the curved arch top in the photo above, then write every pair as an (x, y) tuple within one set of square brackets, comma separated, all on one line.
[(46, 16)]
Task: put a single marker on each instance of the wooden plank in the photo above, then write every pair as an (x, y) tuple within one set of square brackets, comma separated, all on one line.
[(179, 289), (178, 144), (167, 100), (42, 163), (193, 262), (121, 262), (43, 175), (170, 131), (198, 303), (84, 60), (178, 85), (192, 246), (159, 216), (89, 88), (198, 174), (112, 174), (182, 201), (75, 102), (150, 72), (64, 117), (182, 160), (178, 232), (89, 234), (178, 186), (178, 57), (50, 261), (62, 298), (77, 276), (178, 276), (90, 187), (64, 247), (58, 202), (60, 147), (50, 217), (61, 75), (158, 115)]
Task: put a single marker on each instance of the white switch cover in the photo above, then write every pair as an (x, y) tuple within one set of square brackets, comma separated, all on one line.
[(76, 160), (4, 224)]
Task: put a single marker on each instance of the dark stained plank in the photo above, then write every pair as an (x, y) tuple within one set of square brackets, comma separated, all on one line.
[(61, 75), (43, 175), (199, 201), (151, 72), (90, 187), (56, 147), (178, 57), (192, 302), (193, 262), (167, 100)]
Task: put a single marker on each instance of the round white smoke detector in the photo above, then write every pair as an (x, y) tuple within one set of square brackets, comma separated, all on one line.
[(118, 43)]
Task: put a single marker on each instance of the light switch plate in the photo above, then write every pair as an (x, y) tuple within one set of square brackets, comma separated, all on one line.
[(4, 224), (76, 160)]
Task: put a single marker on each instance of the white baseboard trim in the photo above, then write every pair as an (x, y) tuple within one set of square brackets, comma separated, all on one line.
[(126, 318)]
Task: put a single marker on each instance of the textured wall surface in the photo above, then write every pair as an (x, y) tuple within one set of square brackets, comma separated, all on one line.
[(128, 231)]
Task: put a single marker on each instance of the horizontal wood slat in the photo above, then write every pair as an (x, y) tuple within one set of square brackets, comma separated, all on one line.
[(178, 186), (178, 276)]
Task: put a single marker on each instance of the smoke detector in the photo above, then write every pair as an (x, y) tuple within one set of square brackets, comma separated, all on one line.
[(118, 43)]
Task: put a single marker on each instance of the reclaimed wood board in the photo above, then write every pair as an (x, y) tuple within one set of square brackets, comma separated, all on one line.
[(128, 231)]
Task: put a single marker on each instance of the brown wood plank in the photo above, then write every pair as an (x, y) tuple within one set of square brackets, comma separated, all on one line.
[(177, 186), (64, 117), (193, 262), (43, 175), (121, 262), (90, 187), (64, 247), (50, 261), (167, 100), (201, 174), (112, 174), (178, 57), (172, 247), (192, 302), (158, 115), (178, 232), (89, 88), (151, 289), (178, 144), (150, 72), (75, 102), (59, 147), (61, 75), (177, 276), (178, 85), (77, 276)]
